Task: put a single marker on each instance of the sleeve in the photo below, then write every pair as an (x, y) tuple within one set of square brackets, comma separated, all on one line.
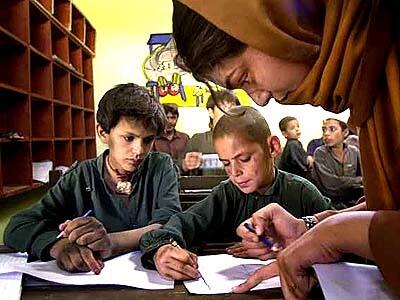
[(35, 230), (167, 194), (207, 218), (314, 201), (385, 245), (298, 156), (335, 185)]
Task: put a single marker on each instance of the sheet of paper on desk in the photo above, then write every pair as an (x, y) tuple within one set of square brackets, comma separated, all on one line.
[(222, 272), (124, 270), (348, 281), (10, 282)]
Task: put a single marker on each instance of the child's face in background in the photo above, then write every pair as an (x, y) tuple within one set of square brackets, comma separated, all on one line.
[(129, 144), (292, 130), (333, 134), (248, 165)]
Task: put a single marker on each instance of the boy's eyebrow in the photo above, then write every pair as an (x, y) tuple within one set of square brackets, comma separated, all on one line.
[(236, 156)]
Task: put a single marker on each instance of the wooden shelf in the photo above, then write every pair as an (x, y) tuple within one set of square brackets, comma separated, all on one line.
[(46, 93)]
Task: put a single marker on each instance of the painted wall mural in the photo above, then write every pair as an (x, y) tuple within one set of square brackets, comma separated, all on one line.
[(169, 83)]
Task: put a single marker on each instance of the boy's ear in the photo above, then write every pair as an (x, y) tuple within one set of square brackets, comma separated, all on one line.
[(274, 146), (284, 133), (102, 134)]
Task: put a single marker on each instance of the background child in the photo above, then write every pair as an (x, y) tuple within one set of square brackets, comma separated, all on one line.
[(129, 190), (245, 146)]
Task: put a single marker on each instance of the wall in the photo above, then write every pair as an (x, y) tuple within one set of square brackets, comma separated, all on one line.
[(123, 28)]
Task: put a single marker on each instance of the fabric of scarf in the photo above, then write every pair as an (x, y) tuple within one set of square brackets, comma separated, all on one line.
[(354, 47)]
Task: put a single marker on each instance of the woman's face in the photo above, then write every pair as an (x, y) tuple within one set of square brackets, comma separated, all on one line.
[(262, 76)]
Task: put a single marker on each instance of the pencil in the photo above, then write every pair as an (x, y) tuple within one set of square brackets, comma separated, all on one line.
[(84, 215)]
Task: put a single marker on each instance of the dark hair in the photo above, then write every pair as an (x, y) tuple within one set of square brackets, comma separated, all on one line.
[(221, 97), (171, 108), (133, 102), (283, 123), (243, 121), (342, 124), (200, 44)]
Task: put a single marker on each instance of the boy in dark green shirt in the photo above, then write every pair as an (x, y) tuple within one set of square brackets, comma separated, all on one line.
[(245, 146), (129, 190)]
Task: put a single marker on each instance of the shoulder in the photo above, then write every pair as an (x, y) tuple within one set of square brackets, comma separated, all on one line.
[(352, 148), (182, 135), (292, 181), (159, 159), (321, 150)]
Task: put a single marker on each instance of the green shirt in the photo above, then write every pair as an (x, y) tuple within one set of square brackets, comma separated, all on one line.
[(154, 199), (217, 216)]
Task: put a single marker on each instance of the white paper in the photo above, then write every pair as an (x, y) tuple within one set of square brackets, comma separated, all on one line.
[(124, 270), (220, 273), (349, 281), (41, 170), (10, 282)]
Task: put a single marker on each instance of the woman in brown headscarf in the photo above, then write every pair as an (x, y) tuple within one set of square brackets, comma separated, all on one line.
[(336, 54)]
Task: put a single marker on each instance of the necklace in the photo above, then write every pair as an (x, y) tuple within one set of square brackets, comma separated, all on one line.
[(124, 185)]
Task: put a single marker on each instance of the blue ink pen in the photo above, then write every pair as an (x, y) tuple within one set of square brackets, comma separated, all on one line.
[(264, 239), (84, 215)]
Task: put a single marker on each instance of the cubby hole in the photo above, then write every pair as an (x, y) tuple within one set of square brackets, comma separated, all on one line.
[(40, 75), (14, 113), (16, 167), (14, 17), (42, 150), (63, 153), (61, 87), (62, 12), (14, 68), (40, 30), (88, 96), (76, 91), (78, 125), (90, 36), (42, 118), (90, 148), (47, 4), (78, 24), (78, 150), (89, 124), (62, 121), (75, 56), (87, 65), (59, 43)]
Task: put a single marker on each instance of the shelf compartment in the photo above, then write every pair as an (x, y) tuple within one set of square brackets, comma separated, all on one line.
[(90, 36), (88, 96), (78, 150), (16, 167), (87, 64), (90, 148), (78, 125), (42, 118), (60, 43), (14, 17), (40, 75), (89, 124), (62, 12), (75, 56), (62, 121), (47, 4), (14, 59), (78, 24), (43, 150), (14, 112), (61, 87), (40, 30), (76, 91), (63, 153)]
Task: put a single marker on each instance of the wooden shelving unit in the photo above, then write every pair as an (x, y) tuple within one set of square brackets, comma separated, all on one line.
[(46, 88)]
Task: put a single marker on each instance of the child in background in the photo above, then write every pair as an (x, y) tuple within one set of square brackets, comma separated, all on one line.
[(247, 149), (294, 158), (129, 190)]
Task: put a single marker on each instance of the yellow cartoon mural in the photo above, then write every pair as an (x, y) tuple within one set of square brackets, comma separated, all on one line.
[(169, 83)]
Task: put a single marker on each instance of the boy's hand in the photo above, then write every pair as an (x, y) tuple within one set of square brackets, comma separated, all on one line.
[(89, 232), (176, 263), (250, 249), (74, 258)]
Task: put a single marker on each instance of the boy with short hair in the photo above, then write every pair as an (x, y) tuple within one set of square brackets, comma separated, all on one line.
[(129, 190), (245, 146), (294, 158)]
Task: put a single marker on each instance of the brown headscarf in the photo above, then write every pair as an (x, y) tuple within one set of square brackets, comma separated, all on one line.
[(354, 47)]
